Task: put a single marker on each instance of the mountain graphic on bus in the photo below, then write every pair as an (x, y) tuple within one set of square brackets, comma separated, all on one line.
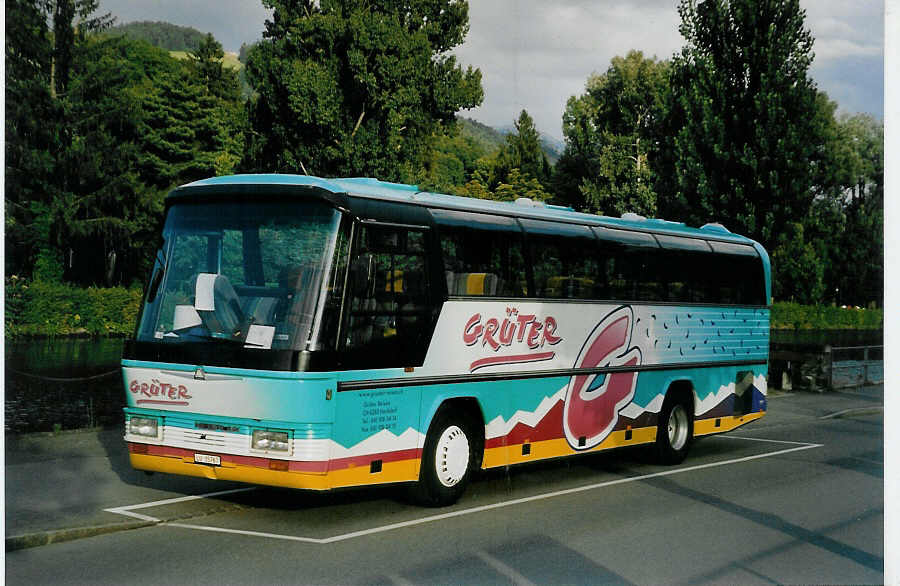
[(593, 401)]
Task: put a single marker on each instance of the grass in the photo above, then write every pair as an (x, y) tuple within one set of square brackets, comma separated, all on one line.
[(230, 60)]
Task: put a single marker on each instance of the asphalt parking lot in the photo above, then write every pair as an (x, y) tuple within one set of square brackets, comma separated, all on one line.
[(796, 497)]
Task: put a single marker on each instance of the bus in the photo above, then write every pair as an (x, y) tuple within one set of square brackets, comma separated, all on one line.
[(323, 333)]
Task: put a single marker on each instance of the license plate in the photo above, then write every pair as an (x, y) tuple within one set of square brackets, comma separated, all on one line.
[(208, 459)]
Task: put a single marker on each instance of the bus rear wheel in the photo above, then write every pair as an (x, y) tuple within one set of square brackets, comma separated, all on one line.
[(675, 430), (448, 459)]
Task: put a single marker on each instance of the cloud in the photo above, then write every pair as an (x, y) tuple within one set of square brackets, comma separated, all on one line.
[(845, 29), (535, 55), (840, 48)]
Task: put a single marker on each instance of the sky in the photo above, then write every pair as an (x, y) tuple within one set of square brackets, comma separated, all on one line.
[(535, 54)]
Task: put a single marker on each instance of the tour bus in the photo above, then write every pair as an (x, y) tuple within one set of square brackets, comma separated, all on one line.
[(323, 333)]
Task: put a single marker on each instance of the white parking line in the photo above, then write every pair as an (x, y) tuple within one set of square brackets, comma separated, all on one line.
[(771, 441), (127, 510), (799, 446), (503, 569)]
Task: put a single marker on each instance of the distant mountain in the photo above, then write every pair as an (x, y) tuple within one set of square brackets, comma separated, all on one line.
[(493, 138), (164, 35), (489, 138)]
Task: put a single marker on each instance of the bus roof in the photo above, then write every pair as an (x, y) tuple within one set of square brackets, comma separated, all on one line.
[(410, 194)]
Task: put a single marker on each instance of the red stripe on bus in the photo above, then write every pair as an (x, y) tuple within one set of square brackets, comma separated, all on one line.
[(313, 466), (513, 359)]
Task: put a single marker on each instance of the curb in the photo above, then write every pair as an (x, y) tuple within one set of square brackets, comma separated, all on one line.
[(17, 542)]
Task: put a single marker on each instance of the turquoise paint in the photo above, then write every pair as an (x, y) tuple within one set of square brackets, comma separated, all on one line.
[(241, 372), (268, 179), (362, 414), (367, 187), (701, 334), (263, 395), (767, 269)]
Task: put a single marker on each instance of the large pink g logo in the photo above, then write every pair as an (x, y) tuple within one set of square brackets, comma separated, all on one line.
[(593, 401)]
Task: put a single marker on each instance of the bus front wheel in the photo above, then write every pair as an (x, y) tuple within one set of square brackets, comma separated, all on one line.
[(675, 430), (448, 459)]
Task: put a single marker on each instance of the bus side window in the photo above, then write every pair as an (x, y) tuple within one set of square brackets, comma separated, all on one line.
[(389, 317), (483, 255), (686, 268), (628, 265), (740, 273), (561, 262)]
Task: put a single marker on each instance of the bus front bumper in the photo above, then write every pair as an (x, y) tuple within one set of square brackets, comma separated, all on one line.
[(270, 471)]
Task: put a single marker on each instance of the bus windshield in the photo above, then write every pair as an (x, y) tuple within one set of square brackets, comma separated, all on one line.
[(246, 274)]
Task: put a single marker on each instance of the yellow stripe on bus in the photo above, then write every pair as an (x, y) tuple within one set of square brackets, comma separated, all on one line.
[(401, 471), (708, 426), (555, 448)]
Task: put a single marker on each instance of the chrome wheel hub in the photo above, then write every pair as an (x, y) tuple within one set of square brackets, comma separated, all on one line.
[(678, 427)]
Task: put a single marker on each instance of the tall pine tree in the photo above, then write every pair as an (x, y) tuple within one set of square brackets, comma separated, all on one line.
[(744, 130)]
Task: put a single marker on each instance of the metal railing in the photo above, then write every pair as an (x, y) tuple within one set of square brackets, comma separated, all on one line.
[(854, 366)]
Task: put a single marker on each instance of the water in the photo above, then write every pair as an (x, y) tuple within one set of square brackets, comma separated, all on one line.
[(63, 383), (822, 338)]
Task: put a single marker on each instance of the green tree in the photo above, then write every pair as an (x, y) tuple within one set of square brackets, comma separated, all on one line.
[(522, 150), (355, 87), (798, 269), (846, 222), (30, 135), (73, 20), (518, 185), (612, 137), (98, 129), (140, 123), (206, 61), (107, 196), (452, 160), (518, 168), (745, 131)]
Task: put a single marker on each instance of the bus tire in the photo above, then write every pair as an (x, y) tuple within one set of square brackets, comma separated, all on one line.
[(449, 459), (675, 429)]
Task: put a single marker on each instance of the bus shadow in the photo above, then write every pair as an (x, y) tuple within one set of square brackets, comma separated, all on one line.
[(376, 501)]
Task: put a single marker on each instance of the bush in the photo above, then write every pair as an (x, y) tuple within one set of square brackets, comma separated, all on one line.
[(55, 309), (822, 317)]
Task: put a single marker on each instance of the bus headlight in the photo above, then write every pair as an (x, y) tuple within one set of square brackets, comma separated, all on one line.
[(143, 426), (272, 441)]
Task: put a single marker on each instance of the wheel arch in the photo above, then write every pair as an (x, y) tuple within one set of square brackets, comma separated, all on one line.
[(682, 388), (469, 406)]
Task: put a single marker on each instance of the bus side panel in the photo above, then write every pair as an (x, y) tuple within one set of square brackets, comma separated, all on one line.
[(376, 438), (528, 419)]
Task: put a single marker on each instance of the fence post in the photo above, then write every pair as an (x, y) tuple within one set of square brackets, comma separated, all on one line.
[(865, 377)]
